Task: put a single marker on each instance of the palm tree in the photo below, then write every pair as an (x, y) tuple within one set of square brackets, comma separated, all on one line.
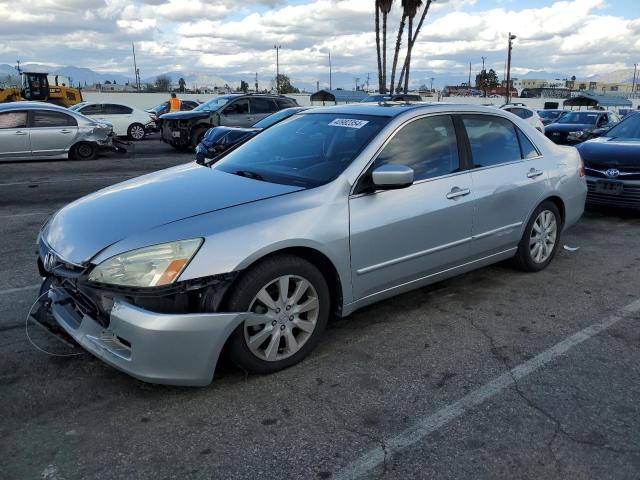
[(398, 45), (410, 10), (412, 41), (380, 71), (385, 9)]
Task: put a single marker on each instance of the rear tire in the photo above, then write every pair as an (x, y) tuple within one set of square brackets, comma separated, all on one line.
[(540, 239), (84, 151), (294, 322), (136, 132)]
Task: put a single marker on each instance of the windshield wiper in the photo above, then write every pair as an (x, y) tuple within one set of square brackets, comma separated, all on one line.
[(249, 174)]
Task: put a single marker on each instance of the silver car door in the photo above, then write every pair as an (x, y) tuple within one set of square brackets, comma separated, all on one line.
[(260, 108), (236, 114), (510, 177), (52, 132), (14, 135), (400, 236)]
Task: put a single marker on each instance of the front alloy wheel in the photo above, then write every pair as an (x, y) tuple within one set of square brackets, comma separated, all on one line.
[(290, 307), (290, 299)]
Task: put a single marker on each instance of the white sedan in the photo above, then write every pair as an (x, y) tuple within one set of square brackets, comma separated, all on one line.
[(527, 114), (127, 121)]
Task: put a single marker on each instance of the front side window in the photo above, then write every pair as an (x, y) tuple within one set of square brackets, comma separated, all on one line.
[(427, 145), (46, 118), (493, 140), (13, 120), (94, 109), (239, 107), (305, 150)]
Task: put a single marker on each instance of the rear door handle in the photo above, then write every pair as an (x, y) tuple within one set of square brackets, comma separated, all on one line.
[(533, 173), (20, 133), (458, 192)]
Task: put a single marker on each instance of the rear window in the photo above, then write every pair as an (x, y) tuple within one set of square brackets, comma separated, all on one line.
[(286, 102), (113, 109), (13, 120), (588, 118)]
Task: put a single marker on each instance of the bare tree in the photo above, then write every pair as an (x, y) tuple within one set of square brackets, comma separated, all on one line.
[(163, 83)]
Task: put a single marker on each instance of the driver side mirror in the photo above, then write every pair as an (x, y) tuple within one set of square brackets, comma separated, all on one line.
[(390, 176)]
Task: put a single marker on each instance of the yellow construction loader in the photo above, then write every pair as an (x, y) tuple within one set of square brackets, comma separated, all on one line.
[(35, 86)]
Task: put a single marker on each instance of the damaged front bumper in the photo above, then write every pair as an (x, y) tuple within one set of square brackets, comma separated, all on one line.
[(166, 348)]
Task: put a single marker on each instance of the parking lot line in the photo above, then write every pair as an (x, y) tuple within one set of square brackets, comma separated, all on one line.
[(19, 289), (430, 423)]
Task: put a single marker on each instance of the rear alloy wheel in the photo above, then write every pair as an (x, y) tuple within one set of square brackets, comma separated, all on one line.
[(541, 238), (136, 131), (84, 151), (291, 299)]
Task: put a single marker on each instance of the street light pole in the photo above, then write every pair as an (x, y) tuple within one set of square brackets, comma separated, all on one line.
[(483, 77), (633, 85), (508, 92), (277, 47)]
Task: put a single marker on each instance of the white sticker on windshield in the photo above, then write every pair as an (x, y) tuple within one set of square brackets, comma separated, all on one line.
[(348, 123)]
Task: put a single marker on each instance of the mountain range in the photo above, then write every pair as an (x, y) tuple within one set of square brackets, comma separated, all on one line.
[(346, 80)]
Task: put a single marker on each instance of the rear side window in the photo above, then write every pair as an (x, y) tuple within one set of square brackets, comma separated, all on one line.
[(528, 149), (95, 109), (262, 105), (13, 120), (46, 118), (239, 107), (493, 140), (112, 109), (427, 145), (286, 103)]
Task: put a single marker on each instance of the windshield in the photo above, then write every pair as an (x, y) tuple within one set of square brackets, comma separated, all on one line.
[(588, 118), (276, 117), (307, 150), (213, 104), (628, 128)]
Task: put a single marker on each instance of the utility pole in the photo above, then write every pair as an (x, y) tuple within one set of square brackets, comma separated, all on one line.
[(357, 80), (20, 71), (368, 77), (135, 67), (483, 78), (469, 84), (277, 47), (256, 82), (633, 85), (432, 79), (330, 73), (508, 92)]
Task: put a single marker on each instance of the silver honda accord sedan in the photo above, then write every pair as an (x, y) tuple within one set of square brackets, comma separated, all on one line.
[(331, 210)]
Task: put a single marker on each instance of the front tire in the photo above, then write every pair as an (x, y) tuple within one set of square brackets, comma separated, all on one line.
[(292, 298), (541, 238), (136, 132)]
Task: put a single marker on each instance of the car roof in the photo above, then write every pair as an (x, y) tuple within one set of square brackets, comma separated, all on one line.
[(393, 109), (31, 106)]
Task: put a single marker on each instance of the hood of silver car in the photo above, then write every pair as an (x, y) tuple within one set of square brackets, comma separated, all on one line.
[(85, 227)]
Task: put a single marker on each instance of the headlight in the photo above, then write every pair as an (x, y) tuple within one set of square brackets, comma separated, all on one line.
[(577, 133), (147, 267)]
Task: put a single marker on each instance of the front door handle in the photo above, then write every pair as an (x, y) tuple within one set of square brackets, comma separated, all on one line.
[(533, 173), (458, 192), (20, 133), (65, 131)]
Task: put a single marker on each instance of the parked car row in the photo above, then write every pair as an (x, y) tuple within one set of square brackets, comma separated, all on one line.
[(320, 213)]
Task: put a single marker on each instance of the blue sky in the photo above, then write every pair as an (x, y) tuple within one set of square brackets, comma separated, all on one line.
[(572, 37)]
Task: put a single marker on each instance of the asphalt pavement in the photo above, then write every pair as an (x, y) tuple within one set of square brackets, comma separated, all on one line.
[(495, 374)]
